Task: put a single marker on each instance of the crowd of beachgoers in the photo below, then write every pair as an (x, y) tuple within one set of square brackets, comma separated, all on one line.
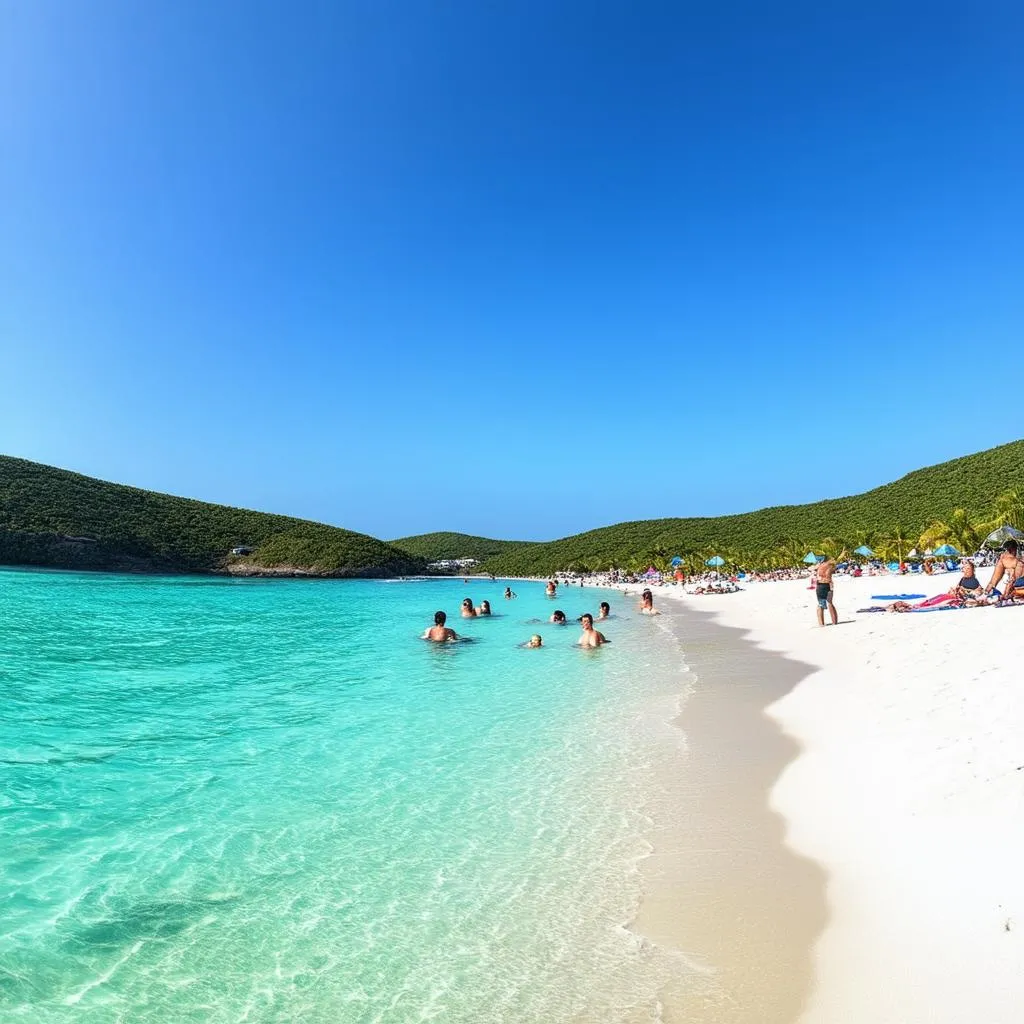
[(1005, 584)]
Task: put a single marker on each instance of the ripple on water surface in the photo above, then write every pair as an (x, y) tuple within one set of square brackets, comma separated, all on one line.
[(269, 801)]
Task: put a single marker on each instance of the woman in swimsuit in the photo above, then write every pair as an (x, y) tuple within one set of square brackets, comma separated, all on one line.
[(468, 611), (969, 588)]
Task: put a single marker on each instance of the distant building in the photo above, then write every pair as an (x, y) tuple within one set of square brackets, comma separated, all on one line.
[(450, 564), (241, 550)]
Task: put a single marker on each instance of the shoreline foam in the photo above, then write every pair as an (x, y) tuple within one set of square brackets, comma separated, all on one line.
[(721, 884)]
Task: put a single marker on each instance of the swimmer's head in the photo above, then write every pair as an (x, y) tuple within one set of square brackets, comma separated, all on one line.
[(440, 618), (587, 620), (467, 602), (485, 605), (559, 616), (605, 607), (536, 641)]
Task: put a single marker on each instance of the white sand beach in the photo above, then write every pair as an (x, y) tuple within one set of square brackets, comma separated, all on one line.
[(907, 790)]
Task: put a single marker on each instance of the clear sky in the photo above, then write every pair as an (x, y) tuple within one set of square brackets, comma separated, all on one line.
[(515, 268)]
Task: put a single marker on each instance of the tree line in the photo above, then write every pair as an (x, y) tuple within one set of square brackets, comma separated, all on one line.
[(956, 502)]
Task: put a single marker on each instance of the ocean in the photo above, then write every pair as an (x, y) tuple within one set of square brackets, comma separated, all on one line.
[(269, 800)]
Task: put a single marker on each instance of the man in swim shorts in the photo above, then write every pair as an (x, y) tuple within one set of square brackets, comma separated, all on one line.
[(823, 591), (1010, 566), (591, 637), (439, 632)]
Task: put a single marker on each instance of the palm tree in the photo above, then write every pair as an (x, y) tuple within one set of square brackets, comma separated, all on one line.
[(834, 548), (897, 543), (1008, 509), (959, 529), (866, 539)]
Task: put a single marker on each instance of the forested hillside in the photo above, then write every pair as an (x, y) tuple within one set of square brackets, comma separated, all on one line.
[(435, 546), (954, 501), (52, 517)]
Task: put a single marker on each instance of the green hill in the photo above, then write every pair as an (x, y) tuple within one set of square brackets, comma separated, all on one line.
[(435, 546), (952, 501), (55, 518)]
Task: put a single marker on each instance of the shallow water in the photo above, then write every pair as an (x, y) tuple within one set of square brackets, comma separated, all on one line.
[(245, 800)]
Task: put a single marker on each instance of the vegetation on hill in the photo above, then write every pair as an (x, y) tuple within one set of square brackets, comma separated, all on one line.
[(436, 546), (956, 502), (55, 518)]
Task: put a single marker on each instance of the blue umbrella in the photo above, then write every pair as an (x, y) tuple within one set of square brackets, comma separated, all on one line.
[(810, 558), (946, 550), (864, 550), (677, 561), (716, 560)]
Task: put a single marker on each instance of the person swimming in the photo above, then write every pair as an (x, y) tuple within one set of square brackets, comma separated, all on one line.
[(647, 604), (484, 609), (509, 596), (468, 611), (535, 641), (551, 588), (439, 632), (591, 637), (604, 611), (558, 617)]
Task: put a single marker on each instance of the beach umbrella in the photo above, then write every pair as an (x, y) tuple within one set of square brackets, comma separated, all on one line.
[(677, 561), (810, 558), (947, 550), (716, 561), (997, 538), (864, 550)]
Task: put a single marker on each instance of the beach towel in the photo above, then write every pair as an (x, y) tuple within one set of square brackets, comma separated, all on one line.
[(896, 597)]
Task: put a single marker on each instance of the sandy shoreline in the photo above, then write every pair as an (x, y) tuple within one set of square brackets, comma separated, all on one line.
[(860, 855), (721, 884)]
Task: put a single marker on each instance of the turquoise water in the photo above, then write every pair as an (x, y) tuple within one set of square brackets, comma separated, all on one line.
[(231, 801)]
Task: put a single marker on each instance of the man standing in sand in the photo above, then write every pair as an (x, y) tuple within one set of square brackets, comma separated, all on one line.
[(439, 632), (823, 591), (591, 637)]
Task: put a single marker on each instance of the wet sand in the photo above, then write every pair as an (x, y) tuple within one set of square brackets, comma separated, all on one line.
[(721, 885)]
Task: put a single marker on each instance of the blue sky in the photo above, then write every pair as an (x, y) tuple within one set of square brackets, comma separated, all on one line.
[(517, 269)]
